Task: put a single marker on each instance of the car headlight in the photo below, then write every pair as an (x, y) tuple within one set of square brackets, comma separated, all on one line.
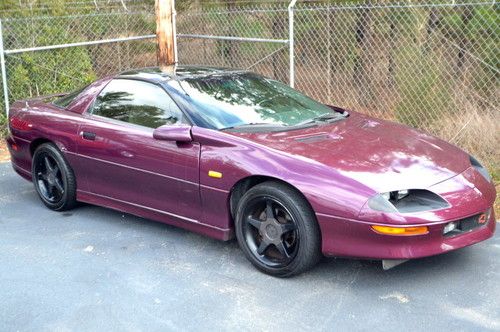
[(480, 168), (407, 201)]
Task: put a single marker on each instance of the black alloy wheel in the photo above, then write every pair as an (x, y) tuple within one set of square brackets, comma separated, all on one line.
[(270, 231), (277, 230), (53, 178), (49, 179)]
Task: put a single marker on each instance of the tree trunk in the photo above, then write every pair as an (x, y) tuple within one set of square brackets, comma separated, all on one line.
[(433, 23), (391, 66), (361, 62), (229, 46), (279, 63), (464, 42), (333, 41)]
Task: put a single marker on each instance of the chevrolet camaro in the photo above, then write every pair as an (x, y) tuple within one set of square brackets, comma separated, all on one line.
[(229, 153)]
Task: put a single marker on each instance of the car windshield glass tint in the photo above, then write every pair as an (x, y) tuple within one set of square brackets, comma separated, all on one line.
[(243, 99)]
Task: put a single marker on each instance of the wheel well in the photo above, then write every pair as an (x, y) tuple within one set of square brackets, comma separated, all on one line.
[(36, 143), (243, 185)]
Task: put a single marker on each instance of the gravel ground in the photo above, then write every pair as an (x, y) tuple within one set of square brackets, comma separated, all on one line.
[(97, 269)]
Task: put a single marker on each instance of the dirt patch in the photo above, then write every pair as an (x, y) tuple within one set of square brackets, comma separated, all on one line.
[(4, 152)]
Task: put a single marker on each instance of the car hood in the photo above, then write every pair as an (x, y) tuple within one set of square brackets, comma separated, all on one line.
[(382, 155)]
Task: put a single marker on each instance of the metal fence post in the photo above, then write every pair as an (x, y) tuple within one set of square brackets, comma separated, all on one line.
[(291, 7), (174, 23), (4, 72)]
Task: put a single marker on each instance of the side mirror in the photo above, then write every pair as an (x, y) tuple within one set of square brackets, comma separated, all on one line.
[(173, 133)]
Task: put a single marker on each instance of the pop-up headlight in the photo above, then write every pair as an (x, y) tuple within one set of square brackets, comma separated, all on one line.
[(406, 201)]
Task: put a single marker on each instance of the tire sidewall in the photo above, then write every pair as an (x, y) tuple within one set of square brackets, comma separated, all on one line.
[(52, 151), (302, 218)]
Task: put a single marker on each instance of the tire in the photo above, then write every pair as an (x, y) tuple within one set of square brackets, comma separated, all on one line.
[(286, 244), (53, 178)]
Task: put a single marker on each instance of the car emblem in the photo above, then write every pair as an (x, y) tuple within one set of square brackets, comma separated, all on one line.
[(482, 218)]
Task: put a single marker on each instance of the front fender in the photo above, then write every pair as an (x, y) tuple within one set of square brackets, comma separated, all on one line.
[(235, 158)]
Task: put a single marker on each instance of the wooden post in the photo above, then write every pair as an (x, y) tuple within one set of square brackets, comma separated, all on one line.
[(165, 33)]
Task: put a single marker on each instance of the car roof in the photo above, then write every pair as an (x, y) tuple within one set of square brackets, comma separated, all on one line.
[(177, 72)]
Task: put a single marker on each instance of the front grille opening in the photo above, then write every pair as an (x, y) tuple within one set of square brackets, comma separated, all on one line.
[(466, 224)]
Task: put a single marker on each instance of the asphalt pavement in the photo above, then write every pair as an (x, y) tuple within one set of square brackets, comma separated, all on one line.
[(95, 269)]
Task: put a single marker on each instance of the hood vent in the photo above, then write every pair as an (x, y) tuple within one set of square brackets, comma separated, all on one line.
[(312, 138)]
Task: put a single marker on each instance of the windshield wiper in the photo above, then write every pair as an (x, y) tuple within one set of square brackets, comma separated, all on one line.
[(328, 117), (253, 124)]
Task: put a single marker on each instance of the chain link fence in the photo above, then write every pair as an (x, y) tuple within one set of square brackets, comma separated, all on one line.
[(45, 55), (434, 67), (431, 66), (256, 38), (34, 8)]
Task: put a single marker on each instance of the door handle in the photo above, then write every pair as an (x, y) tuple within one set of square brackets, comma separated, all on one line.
[(88, 136)]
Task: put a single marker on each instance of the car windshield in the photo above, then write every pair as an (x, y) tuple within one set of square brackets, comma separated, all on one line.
[(243, 99)]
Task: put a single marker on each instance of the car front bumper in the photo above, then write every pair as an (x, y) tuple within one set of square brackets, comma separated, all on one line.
[(353, 238)]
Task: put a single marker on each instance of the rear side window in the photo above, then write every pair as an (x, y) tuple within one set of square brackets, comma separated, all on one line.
[(64, 101), (137, 102)]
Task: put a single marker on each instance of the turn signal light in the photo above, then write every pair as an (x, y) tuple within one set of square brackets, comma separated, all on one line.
[(401, 231)]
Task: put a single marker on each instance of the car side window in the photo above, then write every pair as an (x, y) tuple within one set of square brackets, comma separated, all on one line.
[(137, 102)]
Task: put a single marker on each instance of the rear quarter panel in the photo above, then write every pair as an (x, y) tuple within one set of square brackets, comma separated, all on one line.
[(50, 123), (46, 123)]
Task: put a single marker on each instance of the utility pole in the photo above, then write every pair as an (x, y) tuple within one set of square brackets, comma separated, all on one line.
[(165, 33)]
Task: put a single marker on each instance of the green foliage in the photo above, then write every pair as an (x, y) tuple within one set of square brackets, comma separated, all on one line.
[(8, 4), (3, 124), (34, 74), (47, 72), (424, 91)]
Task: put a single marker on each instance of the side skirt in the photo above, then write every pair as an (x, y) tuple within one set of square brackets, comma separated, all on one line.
[(156, 215)]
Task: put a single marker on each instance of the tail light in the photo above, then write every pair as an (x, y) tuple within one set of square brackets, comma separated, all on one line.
[(20, 124)]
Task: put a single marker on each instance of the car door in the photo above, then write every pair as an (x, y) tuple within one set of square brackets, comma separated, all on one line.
[(122, 160)]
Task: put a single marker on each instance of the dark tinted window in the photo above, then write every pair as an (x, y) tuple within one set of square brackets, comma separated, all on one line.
[(246, 98), (137, 102), (67, 99)]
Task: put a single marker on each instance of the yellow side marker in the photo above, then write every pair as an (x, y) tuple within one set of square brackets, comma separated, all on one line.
[(214, 174)]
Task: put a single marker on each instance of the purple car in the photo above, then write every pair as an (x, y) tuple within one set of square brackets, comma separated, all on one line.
[(230, 153)]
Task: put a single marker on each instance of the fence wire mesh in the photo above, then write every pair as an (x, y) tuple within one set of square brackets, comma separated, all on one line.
[(431, 66), (45, 31), (40, 72), (269, 22), (434, 67), (13, 8)]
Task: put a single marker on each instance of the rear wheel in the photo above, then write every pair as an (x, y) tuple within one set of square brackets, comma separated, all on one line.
[(277, 230), (53, 178)]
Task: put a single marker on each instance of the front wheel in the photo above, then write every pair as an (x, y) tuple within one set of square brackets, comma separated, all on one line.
[(277, 230), (53, 178)]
